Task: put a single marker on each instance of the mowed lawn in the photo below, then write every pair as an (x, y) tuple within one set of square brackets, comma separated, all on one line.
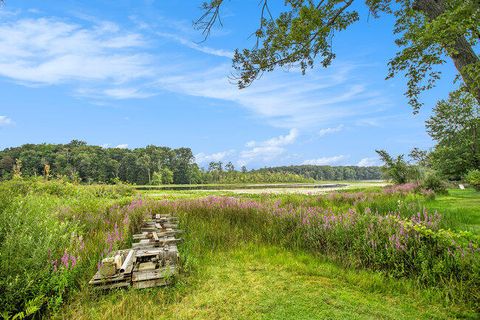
[(460, 207), (265, 282)]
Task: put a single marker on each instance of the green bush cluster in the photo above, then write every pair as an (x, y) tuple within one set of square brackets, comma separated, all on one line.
[(473, 178), (52, 235), (432, 181)]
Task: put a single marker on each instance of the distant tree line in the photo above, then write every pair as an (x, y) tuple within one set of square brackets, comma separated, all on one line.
[(84, 163), (329, 172), (217, 173), (79, 161)]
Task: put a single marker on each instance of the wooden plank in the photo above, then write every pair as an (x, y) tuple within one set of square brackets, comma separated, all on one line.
[(140, 235), (113, 286), (144, 266), (107, 281), (150, 283), (153, 274)]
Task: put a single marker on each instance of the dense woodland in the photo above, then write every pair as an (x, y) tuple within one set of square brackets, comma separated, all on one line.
[(80, 162), (331, 173)]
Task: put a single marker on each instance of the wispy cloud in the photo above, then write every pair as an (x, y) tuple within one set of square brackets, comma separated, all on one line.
[(285, 99), (323, 161), (369, 162), (105, 61), (203, 158), (122, 146), (195, 46), (327, 131), (50, 51), (369, 122), (5, 121)]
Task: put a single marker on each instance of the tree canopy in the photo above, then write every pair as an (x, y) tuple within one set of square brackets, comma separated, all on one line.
[(330, 172), (152, 165), (302, 35), (79, 161), (455, 126)]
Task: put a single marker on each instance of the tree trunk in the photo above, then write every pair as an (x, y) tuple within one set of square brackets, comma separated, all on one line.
[(461, 52)]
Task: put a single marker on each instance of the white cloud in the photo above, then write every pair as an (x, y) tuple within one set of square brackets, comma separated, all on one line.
[(368, 162), (126, 93), (5, 121), (202, 158), (369, 122), (104, 61), (267, 150), (326, 160), (276, 141), (285, 99), (196, 46), (326, 131), (49, 51), (122, 146)]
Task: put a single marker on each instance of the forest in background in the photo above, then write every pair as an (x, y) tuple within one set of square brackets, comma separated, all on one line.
[(78, 161)]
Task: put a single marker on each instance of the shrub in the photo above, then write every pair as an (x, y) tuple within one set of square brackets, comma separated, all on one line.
[(397, 169), (52, 235), (473, 178), (432, 181)]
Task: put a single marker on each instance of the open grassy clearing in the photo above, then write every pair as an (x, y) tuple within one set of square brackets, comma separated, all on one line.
[(460, 207), (245, 255), (267, 282)]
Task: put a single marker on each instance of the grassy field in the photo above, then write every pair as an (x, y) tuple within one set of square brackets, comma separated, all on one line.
[(460, 207), (267, 282), (245, 256)]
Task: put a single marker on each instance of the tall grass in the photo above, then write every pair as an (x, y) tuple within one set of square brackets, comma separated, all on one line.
[(53, 235), (396, 242)]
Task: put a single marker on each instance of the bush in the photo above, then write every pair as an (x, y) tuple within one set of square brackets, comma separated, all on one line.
[(473, 178), (52, 235), (434, 182), (397, 169)]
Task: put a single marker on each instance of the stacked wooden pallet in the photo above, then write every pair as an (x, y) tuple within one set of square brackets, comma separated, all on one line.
[(151, 262)]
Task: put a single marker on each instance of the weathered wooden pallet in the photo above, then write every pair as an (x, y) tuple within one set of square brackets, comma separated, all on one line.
[(151, 243), (151, 262), (159, 227), (122, 277), (150, 234), (166, 253), (153, 278)]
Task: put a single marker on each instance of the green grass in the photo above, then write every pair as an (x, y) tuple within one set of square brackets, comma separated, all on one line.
[(236, 264), (267, 282), (461, 208)]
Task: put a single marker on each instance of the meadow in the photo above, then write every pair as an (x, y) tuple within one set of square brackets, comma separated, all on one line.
[(392, 252)]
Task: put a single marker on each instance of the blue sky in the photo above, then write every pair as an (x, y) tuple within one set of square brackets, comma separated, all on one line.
[(133, 73)]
